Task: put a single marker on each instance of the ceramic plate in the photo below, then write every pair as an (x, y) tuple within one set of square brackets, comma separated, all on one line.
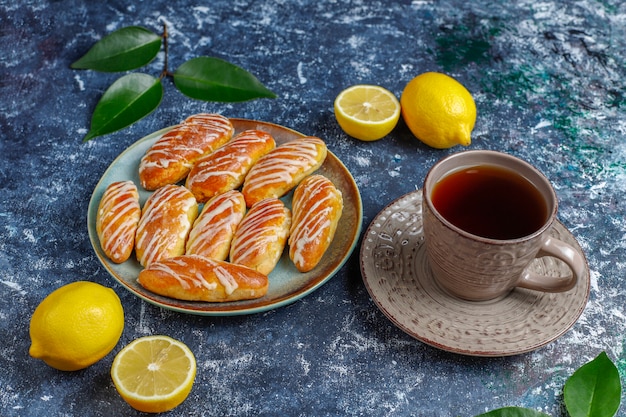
[(287, 284), (398, 278)]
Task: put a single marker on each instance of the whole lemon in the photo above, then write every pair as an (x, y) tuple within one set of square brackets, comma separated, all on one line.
[(438, 110), (76, 325)]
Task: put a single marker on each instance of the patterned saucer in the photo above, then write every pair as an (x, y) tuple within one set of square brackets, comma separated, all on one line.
[(398, 278)]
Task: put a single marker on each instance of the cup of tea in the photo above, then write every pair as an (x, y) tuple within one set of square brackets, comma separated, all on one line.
[(487, 216)]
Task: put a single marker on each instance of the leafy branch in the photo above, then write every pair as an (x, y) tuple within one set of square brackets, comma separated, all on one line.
[(594, 390), (133, 96)]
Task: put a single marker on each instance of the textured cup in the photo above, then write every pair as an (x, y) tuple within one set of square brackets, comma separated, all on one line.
[(478, 268)]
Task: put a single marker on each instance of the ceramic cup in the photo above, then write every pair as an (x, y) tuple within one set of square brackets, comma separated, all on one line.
[(478, 268)]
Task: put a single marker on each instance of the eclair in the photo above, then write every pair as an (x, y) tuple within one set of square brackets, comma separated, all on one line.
[(275, 174), (226, 168), (261, 236), (116, 220), (198, 278), (165, 223), (214, 229), (171, 157), (316, 209)]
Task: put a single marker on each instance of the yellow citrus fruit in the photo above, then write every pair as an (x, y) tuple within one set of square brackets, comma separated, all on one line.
[(76, 325), (367, 112), (438, 110), (154, 374)]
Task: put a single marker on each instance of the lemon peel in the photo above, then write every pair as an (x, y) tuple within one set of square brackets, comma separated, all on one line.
[(76, 325), (438, 110)]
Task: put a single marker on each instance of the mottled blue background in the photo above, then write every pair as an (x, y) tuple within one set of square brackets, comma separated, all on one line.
[(548, 80)]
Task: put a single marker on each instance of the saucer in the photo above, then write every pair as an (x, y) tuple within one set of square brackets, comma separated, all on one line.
[(398, 278)]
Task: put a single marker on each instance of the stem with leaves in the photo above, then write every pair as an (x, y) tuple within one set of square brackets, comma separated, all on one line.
[(165, 72), (135, 95)]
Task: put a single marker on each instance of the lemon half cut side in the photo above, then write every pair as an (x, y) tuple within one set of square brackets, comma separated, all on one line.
[(367, 112), (154, 374)]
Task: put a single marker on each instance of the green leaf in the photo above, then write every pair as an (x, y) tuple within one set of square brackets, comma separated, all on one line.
[(594, 390), (125, 49), (212, 79), (513, 412), (127, 100)]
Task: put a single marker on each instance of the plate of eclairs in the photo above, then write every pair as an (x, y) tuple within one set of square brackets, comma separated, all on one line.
[(224, 216)]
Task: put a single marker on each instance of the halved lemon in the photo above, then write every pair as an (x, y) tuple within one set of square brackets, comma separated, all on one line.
[(367, 112), (154, 374)]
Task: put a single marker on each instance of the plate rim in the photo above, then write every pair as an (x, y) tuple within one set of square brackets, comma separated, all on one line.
[(441, 344), (225, 309)]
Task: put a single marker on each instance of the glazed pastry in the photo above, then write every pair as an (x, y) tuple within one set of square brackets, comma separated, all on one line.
[(275, 174), (214, 229), (116, 220), (226, 168), (316, 208), (165, 223), (198, 278), (170, 158), (261, 236)]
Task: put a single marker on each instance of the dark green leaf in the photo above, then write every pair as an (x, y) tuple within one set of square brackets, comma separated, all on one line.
[(126, 101), (125, 49), (212, 79), (513, 412), (594, 390)]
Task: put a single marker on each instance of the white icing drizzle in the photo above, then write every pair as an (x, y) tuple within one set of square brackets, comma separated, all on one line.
[(231, 160), (284, 163), (312, 212), (213, 229), (192, 277), (226, 279), (187, 142), (165, 268), (200, 280), (119, 213), (167, 209), (258, 230)]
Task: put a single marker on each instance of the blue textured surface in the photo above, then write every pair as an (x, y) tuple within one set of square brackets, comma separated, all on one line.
[(548, 80)]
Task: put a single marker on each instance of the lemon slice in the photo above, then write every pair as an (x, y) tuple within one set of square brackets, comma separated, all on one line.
[(154, 374), (367, 112)]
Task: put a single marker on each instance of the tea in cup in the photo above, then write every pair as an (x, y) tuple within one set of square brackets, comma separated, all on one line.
[(487, 216)]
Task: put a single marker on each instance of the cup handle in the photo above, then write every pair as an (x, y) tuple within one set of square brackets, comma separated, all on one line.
[(564, 252)]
